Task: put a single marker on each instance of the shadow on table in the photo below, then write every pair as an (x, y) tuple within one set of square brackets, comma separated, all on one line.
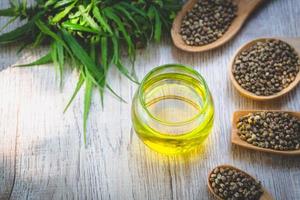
[(264, 158), (242, 102)]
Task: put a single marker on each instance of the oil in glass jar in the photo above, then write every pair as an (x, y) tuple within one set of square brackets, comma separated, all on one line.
[(172, 110)]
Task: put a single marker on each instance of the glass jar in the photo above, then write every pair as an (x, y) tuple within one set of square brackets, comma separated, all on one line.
[(172, 110)]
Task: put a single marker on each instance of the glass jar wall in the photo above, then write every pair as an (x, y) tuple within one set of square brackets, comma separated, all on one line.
[(172, 110)]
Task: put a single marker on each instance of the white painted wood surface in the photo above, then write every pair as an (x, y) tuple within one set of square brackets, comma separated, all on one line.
[(42, 155)]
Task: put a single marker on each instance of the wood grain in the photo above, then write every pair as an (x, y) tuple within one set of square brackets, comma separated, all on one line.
[(42, 155)]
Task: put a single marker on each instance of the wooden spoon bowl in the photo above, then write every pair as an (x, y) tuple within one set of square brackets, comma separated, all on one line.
[(245, 8), (235, 139), (265, 196), (293, 42)]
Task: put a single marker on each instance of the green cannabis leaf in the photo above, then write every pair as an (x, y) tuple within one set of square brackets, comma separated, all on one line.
[(89, 33)]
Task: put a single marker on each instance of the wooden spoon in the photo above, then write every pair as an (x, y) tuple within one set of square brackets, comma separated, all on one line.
[(293, 42), (265, 196), (245, 8), (235, 139)]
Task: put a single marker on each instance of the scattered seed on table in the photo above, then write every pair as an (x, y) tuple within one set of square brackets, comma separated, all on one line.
[(273, 130), (231, 184), (207, 21), (267, 67)]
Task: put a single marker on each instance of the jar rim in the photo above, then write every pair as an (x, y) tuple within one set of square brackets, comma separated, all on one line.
[(186, 68)]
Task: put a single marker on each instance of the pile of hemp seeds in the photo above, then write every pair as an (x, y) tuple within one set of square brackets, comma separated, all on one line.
[(266, 67), (274, 130), (232, 184), (207, 21)]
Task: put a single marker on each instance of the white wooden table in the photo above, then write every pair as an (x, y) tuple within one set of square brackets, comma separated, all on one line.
[(42, 155)]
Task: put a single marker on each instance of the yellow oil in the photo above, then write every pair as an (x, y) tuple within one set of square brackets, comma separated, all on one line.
[(181, 112)]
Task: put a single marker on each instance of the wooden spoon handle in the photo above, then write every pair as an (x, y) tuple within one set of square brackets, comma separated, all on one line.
[(252, 4), (266, 196), (248, 6)]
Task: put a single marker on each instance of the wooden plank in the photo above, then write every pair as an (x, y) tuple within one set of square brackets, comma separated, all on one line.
[(9, 131), (9, 117), (43, 148)]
